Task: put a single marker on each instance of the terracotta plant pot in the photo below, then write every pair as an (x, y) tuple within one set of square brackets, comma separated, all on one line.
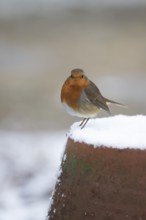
[(100, 183)]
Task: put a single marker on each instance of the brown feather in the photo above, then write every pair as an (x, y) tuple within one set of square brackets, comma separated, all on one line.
[(94, 95)]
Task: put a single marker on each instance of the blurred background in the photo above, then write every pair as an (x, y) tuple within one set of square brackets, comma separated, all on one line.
[(40, 43)]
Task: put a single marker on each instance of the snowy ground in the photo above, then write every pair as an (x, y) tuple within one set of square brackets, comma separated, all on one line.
[(29, 163)]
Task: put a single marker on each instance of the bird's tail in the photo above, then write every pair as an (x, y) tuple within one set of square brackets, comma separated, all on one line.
[(108, 101)]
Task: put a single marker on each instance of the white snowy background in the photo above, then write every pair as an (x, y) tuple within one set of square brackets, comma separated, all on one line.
[(29, 163)]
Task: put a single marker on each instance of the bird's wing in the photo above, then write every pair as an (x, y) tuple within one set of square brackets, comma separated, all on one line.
[(94, 96)]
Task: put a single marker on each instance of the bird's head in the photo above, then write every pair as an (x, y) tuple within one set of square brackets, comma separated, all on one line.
[(77, 74)]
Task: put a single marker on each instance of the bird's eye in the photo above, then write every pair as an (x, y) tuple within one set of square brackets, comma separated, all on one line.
[(82, 76)]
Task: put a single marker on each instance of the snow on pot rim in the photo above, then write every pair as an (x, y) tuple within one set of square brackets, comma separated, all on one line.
[(118, 131)]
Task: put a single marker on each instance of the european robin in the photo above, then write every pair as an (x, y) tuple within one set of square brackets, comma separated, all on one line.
[(81, 97)]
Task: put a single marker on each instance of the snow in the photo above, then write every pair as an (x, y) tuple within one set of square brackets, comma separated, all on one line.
[(29, 162), (29, 166), (119, 131)]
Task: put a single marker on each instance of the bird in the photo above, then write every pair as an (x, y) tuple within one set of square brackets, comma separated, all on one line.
[(82, 98)]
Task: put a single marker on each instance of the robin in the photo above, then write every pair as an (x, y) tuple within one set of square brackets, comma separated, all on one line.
[(82, 98)]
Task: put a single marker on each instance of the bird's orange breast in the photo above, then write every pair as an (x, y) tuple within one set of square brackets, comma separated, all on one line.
[(71, 92)]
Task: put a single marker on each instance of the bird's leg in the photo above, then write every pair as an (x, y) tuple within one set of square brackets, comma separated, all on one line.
[(84, 122)]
